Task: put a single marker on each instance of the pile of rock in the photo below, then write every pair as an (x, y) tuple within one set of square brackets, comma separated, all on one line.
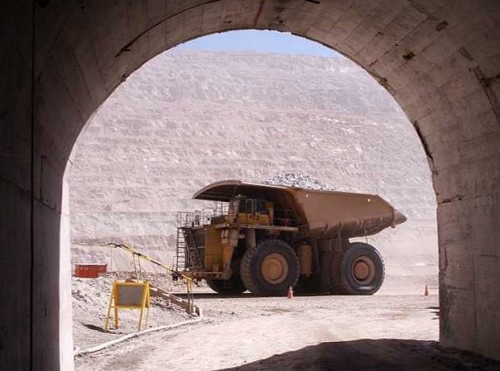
[(299, 180)]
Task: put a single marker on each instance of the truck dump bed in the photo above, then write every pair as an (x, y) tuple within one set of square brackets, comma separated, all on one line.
[(318, 213)]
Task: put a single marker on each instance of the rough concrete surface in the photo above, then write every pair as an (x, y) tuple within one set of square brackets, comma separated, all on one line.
[(61, 59)]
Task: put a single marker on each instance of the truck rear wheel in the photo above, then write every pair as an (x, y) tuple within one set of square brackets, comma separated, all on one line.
[(358, 271), (270, 268)]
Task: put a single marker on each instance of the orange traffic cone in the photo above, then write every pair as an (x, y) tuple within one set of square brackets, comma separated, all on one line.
[(290, 293), (426, 292)]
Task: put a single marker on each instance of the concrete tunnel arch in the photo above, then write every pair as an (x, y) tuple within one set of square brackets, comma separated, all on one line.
[(62, 59)]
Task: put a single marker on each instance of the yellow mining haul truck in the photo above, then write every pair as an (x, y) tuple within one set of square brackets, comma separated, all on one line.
[(266, 238)]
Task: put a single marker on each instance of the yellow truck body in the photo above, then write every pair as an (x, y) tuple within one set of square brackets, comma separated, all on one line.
[(292, 226)]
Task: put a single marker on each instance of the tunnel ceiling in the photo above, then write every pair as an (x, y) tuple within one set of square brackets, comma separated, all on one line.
[(430, 56)]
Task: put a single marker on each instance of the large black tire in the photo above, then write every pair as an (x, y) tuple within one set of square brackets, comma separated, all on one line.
[(357, 270), (232, 286), (270, 268)]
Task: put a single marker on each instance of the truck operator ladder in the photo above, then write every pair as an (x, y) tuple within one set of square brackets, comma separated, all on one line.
[(188, 252), (180, 252), (194, 256)]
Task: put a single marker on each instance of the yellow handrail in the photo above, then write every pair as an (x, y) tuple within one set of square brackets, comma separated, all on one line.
[(188, 280)]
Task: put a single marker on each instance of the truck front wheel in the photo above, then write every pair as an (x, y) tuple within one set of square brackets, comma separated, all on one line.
[(358, 271), (270, 268), (232, 286)]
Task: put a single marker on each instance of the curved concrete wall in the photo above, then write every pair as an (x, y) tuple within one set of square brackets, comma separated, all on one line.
[(439, 59)]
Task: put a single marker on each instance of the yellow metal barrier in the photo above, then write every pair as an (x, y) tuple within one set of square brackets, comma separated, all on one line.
[(129, 295)]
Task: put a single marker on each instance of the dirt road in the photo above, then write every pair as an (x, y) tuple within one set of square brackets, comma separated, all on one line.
[(388, 330)]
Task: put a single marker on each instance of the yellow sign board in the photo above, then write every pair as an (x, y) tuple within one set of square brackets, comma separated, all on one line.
[(129, 295)]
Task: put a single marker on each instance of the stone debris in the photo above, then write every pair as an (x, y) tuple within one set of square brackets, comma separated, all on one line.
[(299, 180)]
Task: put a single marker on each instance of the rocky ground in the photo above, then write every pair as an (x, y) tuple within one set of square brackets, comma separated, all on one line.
[(396, 329)]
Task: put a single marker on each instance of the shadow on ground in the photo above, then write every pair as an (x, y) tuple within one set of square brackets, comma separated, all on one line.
[(382, 354), (94, 327)]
